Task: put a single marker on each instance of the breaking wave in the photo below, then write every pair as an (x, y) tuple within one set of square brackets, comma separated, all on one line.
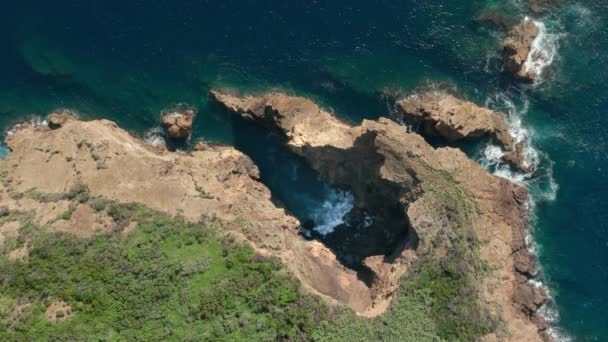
[(540, 182), (543, 51), (492, 155), (333, 211), (549, 312), (38, 121), (155, 136)]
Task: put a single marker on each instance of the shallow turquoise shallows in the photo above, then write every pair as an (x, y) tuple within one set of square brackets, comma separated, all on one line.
[(127, 60)]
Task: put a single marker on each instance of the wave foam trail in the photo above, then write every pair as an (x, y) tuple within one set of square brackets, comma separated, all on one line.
[(541, 182), (492, 155), (542, 52), (333, 211), (549, 312)]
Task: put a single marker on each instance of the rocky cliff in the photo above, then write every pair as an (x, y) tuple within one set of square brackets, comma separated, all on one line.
[(430, 206), (444, 115), (454, 209), (215, 181)]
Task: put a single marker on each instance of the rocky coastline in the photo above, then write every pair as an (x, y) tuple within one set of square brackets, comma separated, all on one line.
[(382, 163), (428, 204)]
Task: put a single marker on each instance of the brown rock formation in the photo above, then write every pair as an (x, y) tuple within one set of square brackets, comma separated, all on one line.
[(454, 119), (516, 49), (384, 165), (59, 118), (214, 181), (178, 123)]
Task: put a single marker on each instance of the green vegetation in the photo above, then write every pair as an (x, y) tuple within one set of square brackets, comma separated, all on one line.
[(172, 280), (453, 278), (409, 319), (166, 280)]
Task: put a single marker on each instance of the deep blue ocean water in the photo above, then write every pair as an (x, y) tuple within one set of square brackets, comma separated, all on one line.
[(127, 60)]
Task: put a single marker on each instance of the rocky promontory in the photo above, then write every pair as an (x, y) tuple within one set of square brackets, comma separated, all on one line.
[(217, 182), (454, 119), (517, 47), (441, 215), (457, 213), (444, 115)]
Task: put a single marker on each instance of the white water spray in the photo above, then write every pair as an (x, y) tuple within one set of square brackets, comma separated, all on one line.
[(333, 211), (542, 52), (155, 136)]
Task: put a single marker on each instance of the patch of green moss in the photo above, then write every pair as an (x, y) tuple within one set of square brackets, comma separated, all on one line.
[(453, 277)]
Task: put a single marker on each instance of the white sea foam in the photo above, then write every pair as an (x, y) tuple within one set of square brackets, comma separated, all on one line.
[(542, 52), (155, 136), (38, 121), (557, 335), (333, 211), (540, 182), (492, 155), (541, 185), (550, 314)]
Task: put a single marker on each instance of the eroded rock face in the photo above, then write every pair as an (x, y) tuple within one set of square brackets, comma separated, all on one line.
[(178, 123), (516, 49), (213, 181), (453, 119), (59, 118), (383, 165)]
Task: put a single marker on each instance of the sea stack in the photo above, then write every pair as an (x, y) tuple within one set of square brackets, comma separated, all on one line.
[(517, 47), (178, 122)]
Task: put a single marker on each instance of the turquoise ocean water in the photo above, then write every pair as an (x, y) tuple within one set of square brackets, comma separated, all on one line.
[(127, 60)]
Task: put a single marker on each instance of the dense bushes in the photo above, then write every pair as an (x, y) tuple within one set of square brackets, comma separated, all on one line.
[(167, 280), (172, 280)]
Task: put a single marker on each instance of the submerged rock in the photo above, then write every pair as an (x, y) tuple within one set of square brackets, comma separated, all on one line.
[(178, 122), (542, 7), (516, 49)]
